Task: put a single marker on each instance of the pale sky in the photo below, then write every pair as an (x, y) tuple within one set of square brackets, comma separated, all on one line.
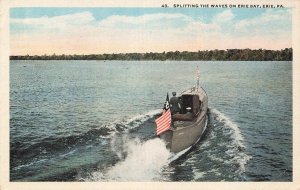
[(38, 31)]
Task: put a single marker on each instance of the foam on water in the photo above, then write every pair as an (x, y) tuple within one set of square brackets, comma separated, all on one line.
[(235, 149), (109, 131), (198, 174), (131, 123), (143, 117), (227, 122), (144, 162), (68, 153)]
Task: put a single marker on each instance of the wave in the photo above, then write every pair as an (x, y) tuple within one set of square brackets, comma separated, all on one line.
[(52, 144), (130, 123), (236, 147), (149, 160), (144, 162), (227, 122)]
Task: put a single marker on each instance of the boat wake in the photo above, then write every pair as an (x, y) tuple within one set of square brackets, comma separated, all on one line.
[(144, 161), (220, 156), (128, 124), (236, 149), (222, 149), (137, 160), (58, 148), (135, 156)]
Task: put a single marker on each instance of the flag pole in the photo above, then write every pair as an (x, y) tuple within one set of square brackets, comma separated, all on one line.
[(198, 78)]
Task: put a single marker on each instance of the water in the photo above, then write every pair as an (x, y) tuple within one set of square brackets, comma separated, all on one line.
[(94, 121)]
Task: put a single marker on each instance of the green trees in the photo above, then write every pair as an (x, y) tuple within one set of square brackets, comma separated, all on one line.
[(206, 55)]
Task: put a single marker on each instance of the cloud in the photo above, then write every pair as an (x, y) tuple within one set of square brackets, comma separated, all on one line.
[(271, 23), (160, 18), (224, 16), (82, 33), (59, 22)]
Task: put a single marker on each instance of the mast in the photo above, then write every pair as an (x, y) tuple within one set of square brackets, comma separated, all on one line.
[(198, 78)]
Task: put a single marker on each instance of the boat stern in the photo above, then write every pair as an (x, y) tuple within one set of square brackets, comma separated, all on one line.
[(167, 136)]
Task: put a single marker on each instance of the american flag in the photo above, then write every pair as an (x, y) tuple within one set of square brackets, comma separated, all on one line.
[(167, 104), (163, 123)]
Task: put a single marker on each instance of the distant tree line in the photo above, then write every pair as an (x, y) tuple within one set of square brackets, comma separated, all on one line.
[(207, 55)]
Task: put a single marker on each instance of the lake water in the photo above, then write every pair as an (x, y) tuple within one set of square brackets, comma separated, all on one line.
[(94, 121)]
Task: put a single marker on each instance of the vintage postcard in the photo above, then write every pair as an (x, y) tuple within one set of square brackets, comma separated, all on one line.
[(185, 92)]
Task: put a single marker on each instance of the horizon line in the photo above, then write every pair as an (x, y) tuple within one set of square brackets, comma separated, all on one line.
[(56, 54)]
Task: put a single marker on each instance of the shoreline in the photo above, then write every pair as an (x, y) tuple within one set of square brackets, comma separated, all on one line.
[(207, 55)]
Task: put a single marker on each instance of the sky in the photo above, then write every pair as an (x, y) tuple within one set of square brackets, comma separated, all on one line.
[(39, 31)]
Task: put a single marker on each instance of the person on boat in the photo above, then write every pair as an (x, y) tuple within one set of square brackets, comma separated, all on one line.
[(175, 104)]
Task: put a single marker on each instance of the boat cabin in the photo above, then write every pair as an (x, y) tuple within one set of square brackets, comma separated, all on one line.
[(190, 107)]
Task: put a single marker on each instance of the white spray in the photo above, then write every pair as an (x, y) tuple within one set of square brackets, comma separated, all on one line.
[(241, 157), (144, 162)]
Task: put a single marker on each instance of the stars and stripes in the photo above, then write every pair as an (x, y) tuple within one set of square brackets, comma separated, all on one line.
[(167, 104), (163, 123)]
